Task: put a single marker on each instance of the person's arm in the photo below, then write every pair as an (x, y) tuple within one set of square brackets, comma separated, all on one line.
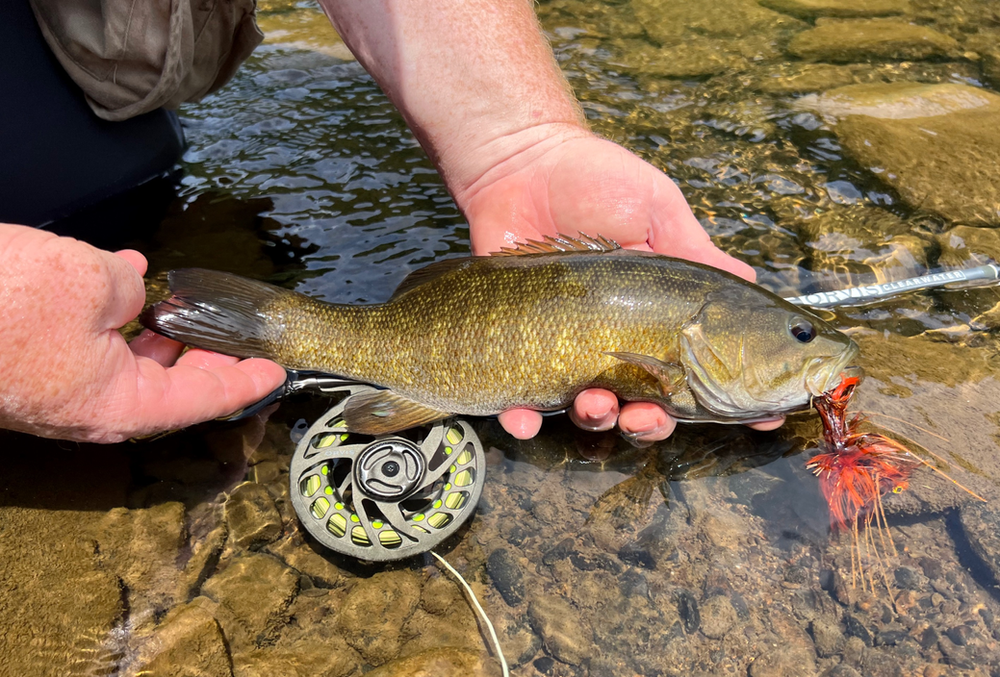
[(480, 88), (65, 370)]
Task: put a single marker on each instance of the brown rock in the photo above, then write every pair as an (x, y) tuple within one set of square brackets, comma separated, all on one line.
[(717, 617), (308, 657), (374, 612), (564, 633), (188, 643), (438, 663), (253, 593), (859, 41), (810, 9), (252, 518)]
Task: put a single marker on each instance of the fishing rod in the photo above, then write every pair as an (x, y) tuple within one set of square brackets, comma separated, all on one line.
[(876, 292)]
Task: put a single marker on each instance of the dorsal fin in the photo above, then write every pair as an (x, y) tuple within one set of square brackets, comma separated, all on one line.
[(428, 273), (561, 243)]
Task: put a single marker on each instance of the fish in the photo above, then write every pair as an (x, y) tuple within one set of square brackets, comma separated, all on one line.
[(531, 327)]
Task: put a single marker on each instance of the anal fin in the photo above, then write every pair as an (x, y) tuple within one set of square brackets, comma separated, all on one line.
[(382, 412)]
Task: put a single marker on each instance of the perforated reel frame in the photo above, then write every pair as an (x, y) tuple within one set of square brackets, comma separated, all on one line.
[(414, 490)]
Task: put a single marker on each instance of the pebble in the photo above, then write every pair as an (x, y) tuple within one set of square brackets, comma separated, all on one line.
[(687, 607), (907, 578), (507, 576), (252, 516), (564, 634), (827, 636), (842, 671), (717, 617), (855, 628)]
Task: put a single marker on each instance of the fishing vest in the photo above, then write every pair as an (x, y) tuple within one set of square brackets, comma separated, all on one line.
[(133, 56)]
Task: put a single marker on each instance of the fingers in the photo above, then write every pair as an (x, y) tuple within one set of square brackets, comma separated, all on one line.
[(595, 409), (204, 359), (523, 424), (184, 394), (125, 292), (137, 260), (645, 422), (158, 348), (771, 424)]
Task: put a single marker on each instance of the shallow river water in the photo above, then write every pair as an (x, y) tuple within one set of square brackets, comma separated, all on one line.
[(826, 142)]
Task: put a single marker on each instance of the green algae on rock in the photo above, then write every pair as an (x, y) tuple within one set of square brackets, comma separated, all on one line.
[(861, 40), (937, 146), (810, 9)]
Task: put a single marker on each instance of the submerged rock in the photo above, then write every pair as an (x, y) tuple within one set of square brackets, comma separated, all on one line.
[(374, 612), (852, 41), (438, 663), (309, 657), (564, 633), (507, 575), (938, 146), (668, 22), (810, 9), (981, 523), (817, 77), (251, 515), (188, 643), (253, 593)]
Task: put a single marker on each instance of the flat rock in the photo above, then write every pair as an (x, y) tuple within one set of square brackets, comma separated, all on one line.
[(252, 516), (253, 593), (670, 22), (937, 146), (981, 521), (188, 643), (507, 575), (718, 616), (374, 612), (564, 633), (311, 657), (811, 77), (853, 9), (438, 663), (861, 40)]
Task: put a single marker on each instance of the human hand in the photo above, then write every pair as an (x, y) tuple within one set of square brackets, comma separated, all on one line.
[(581, 183), (65, 370)]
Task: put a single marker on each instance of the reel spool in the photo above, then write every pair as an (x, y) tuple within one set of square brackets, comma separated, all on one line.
[(387, 497)]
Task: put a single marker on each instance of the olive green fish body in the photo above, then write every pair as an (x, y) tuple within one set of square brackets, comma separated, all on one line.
[(481, 335)]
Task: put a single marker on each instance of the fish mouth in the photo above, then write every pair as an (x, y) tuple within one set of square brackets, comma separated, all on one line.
[(825, 373)]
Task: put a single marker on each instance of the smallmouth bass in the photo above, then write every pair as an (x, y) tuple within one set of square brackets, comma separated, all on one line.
[(480, 335)]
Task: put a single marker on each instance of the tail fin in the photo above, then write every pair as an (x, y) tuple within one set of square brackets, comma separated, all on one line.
[(217, 311)]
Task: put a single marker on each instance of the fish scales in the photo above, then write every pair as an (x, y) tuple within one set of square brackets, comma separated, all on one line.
[(481, 335)]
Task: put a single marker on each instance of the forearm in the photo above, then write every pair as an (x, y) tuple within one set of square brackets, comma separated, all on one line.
[(475, 79)]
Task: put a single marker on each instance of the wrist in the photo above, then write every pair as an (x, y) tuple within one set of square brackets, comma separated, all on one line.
[(505, 155)]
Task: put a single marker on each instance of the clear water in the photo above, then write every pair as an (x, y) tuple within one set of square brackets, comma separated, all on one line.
[(302, 173)]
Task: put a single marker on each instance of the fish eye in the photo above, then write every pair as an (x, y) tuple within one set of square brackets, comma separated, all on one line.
[(802, 329)]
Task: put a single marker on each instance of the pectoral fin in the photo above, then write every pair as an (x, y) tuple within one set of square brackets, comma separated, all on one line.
[(383, 412), (670, 376)]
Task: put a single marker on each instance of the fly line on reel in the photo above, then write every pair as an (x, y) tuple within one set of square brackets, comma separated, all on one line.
[(386, 497)]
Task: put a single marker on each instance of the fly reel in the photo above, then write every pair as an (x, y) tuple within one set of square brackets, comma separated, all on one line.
[(385, 497)]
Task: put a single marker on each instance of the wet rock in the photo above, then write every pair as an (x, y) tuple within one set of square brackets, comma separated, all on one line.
[(842, 671), (910, 135), (251, 515), (505, 571), (960, 634), (310, 657), (907, 578), (633, 582), (207, 541), (810, 9), (253, 593), (188, 643), (438, 663), (565, 635), (637, 555), (812, 77), (854, 648), (855, 628), (859, 41), (827, 636), (374, 612), (298, 554), (783, 661), (687, 608), (966, 246), (519, 642), (669, 23), (717, 617), (979, 522), (439, 595)]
